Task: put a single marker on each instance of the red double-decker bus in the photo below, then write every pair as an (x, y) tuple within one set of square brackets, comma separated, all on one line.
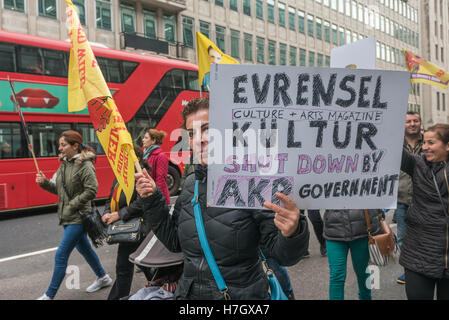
[(149, 92)]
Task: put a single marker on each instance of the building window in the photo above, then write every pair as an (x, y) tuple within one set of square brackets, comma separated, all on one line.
[(16, 5), (149, 24), (220, 34), (281, 14), (341, 6), (333, 4), (438, 101), (259, 9), (328, 61), (271, 52), (354, 10), (291, 18), (103, 14), (47, 8), (334, 34), (310, 28), (311, 59), (235, 43), (260, 47), (79, 4), (319, 60), (219, 3), (233, 5), (247, 7), (282, 54), (270, 11), (301, 22), (341, 32), (169, 23), (187, 31), (348, 7), (319, 29), (205, 29), (443, 98), (248, 47), (348, 36), (327, 31), (302, 57), (292, 56), (127, 14)]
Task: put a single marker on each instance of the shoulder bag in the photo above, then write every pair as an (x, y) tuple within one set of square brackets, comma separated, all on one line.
[(276, 292), (382, 247), (125, 231), (120, 231)]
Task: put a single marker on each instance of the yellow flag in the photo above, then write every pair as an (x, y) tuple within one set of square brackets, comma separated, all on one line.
[(423, 71), (209, 53), (87, 87)]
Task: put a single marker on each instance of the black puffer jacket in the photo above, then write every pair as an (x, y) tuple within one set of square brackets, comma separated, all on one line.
[(234, 236), (348, 225), (426, 240)]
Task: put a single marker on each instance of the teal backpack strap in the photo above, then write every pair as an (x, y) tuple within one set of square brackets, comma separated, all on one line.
[(205, 244)]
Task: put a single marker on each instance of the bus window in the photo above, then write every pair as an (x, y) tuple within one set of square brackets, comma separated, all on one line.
[(7, 57), (178, 79), (110, 69), (12, 134), (192, 81), (55, 63), (156, 105), (30, 60), (89, 136), (128, 68)]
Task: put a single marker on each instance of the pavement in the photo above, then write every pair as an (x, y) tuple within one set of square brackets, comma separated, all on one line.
[(28, 244)]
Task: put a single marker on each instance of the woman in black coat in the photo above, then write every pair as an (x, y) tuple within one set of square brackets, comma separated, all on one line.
[(234, 235), (425, 246), (116, 208)]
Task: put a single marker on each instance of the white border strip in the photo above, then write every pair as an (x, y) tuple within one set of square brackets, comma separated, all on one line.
[(28, 254)]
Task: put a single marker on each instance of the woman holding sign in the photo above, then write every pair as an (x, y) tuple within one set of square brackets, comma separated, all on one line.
[(425, 248), (234, 235)]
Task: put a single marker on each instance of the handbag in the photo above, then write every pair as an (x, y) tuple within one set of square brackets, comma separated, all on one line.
[(92, 223), (276, 292), (124, 231), (382, 247), (94, 227)]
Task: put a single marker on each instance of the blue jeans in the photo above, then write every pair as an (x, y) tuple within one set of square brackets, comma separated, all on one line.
[(73, 236), (399, 216), (281, 274), (337, 253)]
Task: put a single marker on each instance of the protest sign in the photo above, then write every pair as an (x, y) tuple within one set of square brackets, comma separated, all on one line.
[(328, 138), (357, 55)]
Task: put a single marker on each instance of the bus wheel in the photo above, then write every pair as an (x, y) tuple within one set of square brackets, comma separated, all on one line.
[(173, 180)]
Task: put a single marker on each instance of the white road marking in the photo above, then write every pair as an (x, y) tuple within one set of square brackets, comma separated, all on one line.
[(28, 254)]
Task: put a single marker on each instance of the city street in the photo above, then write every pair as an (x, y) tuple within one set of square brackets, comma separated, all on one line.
[(28, 245)]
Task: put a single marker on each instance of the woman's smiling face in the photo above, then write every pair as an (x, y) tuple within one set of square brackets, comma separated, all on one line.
[(434, 149)]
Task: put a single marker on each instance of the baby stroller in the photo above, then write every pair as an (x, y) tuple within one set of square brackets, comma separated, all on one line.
[(169, 266)]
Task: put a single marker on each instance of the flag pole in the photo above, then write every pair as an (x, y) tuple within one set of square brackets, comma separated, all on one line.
[(24, 126)]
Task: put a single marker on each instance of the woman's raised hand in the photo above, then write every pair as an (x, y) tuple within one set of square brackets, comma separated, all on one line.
[(40, 178), (286, 218), (145, 185)]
